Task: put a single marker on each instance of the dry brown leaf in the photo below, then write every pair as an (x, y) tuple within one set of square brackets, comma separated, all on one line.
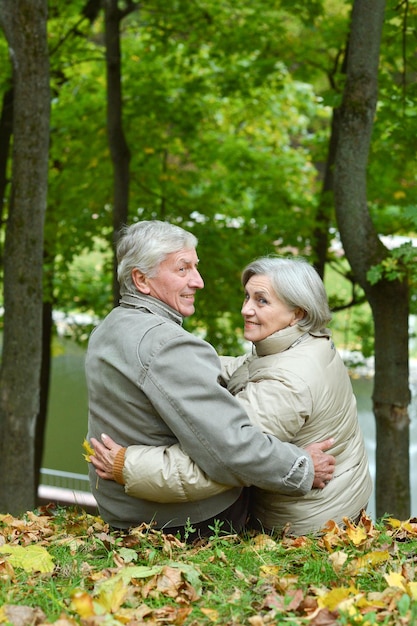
[(324, 617), (263, 542), (6, 569), (170, 582), (23, 615), (256, 620), (338, 559), (170, 614), (288, 602)]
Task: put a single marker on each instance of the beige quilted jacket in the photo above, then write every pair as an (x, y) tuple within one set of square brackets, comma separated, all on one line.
[(296, 387)]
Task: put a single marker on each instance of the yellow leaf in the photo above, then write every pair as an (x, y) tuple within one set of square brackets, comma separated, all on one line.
[(334, 598), (212, 614), (356, 534), (31, 558), (394, 579), (412, 589), (82, 604), (269, 571), (394, 523), (89, 451), (112, 595), (368, 561), (409, 527), (378, 556)]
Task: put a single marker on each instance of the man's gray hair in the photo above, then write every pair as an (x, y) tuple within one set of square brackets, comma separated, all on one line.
[(297, 284), (144, 245)]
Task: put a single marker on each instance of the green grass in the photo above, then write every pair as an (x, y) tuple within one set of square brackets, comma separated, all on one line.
[(84, 574)]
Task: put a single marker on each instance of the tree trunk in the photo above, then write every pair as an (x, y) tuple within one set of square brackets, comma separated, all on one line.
[(24, 24), (119, 149), (389, 300), (6, 123)]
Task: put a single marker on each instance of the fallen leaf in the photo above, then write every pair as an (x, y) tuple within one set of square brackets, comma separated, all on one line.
[(338, 559), (31, 558), (256, 620), (268, 571), (394, 579), (356, 534), (288, 602), (412, 589), (112, 594), (212, 614), (171, 614), (324, 617), (333, 599), (264, 542), (82, 604), (367, 561), (23, 615)]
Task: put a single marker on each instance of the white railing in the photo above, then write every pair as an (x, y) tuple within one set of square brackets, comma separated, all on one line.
[(66, 488)]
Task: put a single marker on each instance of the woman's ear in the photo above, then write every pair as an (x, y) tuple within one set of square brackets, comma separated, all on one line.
[(299, 313), (140, 281)]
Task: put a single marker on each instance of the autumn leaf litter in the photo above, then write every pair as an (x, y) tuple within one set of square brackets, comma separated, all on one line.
[(65, 567)]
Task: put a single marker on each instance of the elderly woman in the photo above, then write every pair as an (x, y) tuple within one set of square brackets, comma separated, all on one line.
[(293, 385)]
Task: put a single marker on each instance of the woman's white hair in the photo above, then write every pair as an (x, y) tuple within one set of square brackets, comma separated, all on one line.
[(144, 245), (297, 284)]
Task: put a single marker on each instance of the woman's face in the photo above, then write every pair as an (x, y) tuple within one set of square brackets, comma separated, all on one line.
[(263, 313)]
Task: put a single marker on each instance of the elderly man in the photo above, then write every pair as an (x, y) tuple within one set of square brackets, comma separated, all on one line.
[(151, 382)]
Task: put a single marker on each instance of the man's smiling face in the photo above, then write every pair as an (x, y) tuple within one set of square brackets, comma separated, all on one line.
[(177, 281)]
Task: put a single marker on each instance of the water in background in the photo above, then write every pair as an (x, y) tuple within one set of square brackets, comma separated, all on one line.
[(67, 418)]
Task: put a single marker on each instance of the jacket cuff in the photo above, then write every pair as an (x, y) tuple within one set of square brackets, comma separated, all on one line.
[(118, 465)]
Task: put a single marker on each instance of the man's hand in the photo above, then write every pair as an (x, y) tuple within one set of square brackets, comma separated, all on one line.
[(324, 464), (104, 455)]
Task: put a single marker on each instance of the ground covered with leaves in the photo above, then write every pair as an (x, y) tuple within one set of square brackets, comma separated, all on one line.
[(63, 566)]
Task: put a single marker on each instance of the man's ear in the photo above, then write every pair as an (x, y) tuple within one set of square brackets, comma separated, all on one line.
[(140, 281)]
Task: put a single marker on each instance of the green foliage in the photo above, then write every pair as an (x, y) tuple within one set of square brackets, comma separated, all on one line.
[(400, 265), (226, 111)]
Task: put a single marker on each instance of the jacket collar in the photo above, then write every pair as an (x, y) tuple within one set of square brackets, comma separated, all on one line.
[(285, 339), (279, 341), (150, 304)]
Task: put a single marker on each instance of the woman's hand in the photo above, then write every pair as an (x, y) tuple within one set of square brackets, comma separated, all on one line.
[(104, 455)]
